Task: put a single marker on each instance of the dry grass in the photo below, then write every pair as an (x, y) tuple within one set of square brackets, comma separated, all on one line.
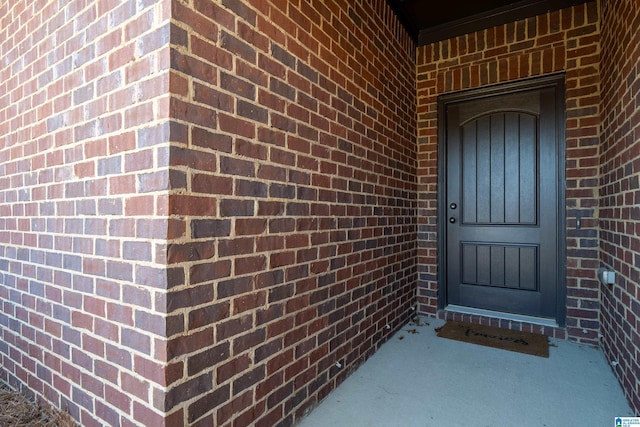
[(18, 411)]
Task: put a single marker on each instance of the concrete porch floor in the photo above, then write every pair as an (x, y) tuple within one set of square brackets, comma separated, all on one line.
[(423, 381)]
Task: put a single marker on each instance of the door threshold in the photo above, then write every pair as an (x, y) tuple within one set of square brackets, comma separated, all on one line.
[(542, 321)]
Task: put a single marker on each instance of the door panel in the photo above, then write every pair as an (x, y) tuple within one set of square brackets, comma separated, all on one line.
[(499, 158), (502, 177), (512, 266)]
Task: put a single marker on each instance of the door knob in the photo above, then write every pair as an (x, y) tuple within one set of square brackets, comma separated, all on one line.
[(452, 220), (453, 206)]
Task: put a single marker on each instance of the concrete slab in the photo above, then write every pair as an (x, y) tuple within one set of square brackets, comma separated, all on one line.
[(421, 380)]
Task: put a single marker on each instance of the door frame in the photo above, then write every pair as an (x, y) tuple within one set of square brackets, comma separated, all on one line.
[(556, 81)]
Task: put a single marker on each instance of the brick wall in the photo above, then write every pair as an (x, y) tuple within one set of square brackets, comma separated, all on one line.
[(563, 41), (209, 210), (620, 191), (292, 213), (206, 206), (83, 179)]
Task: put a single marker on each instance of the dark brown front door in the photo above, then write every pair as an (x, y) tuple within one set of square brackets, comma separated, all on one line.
[(502, 200)]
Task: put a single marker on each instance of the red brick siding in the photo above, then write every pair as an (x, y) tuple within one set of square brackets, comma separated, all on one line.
[(563, 41), (293, 202), (620, 191), (83, 95), (285, 134)]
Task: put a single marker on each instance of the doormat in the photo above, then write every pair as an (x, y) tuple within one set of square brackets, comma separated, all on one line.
[(491, 336)]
